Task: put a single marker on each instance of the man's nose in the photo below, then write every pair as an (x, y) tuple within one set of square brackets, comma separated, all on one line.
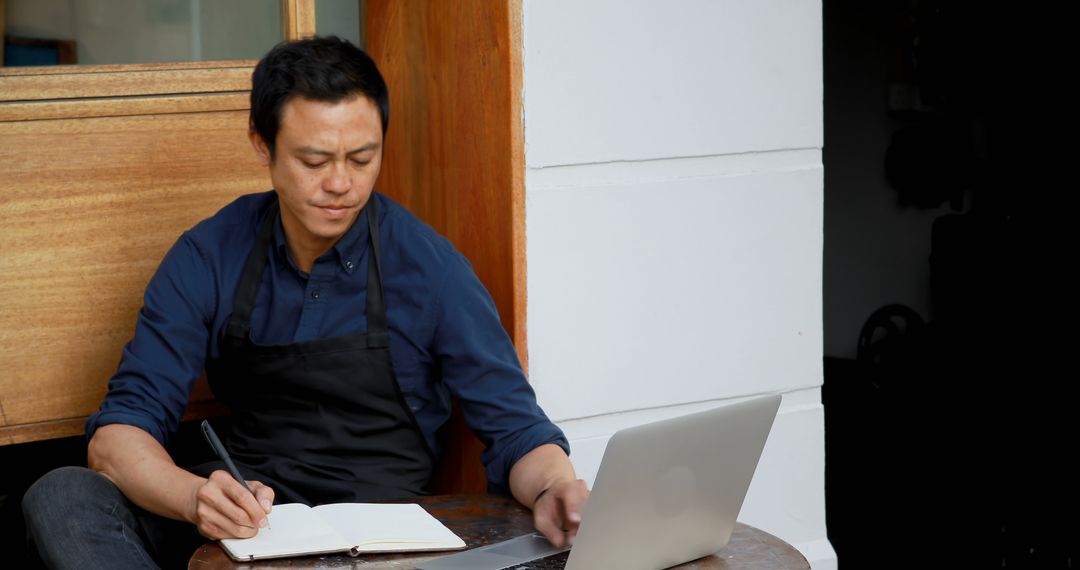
[(337, 180)]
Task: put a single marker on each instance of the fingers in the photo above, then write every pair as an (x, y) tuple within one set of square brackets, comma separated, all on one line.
[(212, 524), (241, 495), (573, 501), (263, 494), (226, 509), (547, 521), (557, 514)]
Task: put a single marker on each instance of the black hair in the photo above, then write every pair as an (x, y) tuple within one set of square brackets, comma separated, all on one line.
[(327, 69)]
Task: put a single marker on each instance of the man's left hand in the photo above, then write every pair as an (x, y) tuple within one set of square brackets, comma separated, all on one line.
[(557, 512)]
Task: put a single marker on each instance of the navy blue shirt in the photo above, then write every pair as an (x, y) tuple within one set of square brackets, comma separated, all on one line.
[(445, 334)]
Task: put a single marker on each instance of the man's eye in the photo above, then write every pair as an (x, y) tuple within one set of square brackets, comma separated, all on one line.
[(361, 162), (312, 164)]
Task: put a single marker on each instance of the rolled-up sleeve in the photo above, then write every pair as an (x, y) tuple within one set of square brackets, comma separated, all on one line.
[(481, 368), (160, 364)]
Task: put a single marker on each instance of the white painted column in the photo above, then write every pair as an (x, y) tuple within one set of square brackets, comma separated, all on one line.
[(674, 228)]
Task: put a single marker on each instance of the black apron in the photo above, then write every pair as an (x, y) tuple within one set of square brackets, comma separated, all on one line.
[(320, 421)]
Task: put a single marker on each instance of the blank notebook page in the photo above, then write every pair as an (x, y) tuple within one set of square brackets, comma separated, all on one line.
[(369, 525), (293, 528)]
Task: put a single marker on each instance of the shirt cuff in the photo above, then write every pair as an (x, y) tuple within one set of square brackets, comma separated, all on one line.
[(142, 422), (499, 459)]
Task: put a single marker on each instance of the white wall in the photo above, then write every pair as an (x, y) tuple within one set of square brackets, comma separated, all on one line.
[(674, 227)]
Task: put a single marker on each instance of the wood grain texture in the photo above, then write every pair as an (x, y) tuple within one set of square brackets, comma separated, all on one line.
[(123, 106), (47, 83), (125, 67), (454, 150), (516, 125), (89, 208), (297, 19)]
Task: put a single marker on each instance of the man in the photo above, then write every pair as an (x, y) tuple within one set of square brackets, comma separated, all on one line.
[(334, 324)]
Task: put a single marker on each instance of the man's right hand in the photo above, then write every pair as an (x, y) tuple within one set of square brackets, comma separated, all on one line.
[(220, 507), (223, 508)]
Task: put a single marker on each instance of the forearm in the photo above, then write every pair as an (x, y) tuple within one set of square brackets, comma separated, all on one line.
[(136, 463), (537, 471)]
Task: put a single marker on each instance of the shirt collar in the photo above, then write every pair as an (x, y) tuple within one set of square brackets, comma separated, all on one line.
[(346, 252)]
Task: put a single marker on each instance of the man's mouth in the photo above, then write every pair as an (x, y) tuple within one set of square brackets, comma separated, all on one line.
[(335, 211)]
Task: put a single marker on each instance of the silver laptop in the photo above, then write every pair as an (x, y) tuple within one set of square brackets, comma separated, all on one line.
[(666, 493)]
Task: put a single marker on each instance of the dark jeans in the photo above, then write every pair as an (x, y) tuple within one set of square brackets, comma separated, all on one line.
[(77, 518)]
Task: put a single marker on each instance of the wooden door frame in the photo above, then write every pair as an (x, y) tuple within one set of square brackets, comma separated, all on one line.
[(454, 155)]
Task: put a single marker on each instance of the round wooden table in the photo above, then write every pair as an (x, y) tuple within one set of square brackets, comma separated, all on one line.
[(482, 519)]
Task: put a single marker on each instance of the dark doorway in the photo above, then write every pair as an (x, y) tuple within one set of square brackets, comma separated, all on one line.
[(948, 416)]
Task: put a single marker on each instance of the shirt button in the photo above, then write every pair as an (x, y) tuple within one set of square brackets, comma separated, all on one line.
[(348, 264), (315, 294)]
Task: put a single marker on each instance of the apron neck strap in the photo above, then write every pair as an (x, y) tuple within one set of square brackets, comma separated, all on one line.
[(240, 324), (377, 336)]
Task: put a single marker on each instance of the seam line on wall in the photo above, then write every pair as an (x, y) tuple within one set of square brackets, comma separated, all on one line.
[(670, 158)]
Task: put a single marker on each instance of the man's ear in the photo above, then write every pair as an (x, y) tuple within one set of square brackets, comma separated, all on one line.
[(262, 152)]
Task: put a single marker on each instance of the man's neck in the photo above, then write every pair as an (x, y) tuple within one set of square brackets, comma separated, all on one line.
[(304, 247), (304, 257)]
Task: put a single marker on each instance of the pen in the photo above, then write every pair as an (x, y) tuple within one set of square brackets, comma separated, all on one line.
[(222, 454)]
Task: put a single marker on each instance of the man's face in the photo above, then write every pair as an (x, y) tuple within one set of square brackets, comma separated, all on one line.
[(327, 159)]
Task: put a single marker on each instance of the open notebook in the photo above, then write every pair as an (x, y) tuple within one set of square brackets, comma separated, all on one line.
[(353, 528)]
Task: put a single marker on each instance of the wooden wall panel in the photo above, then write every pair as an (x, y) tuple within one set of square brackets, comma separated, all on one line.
[(117, 107), (71, 82), (88, 208), (454, 151)]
